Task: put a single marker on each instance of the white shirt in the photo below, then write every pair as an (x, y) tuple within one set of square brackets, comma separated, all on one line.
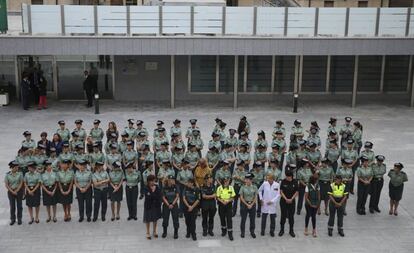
[(270, 194)]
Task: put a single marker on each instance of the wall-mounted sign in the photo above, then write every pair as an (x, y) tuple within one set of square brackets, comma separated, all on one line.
[(151, 66)]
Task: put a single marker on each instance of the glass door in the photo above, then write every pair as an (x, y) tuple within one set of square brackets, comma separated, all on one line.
[(42, 64)]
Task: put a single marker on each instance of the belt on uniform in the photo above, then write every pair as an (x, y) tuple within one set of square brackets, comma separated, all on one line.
[(131, 187), (31, 187), (325, 182), (378, 178), (65, 184), (249, 202)]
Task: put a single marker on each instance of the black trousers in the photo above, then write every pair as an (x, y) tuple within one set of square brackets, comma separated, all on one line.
[(225, 213), (208, 218), (287, 211), (25, 99), (100, 200), (376, 188), (190, 221), (301, 197), (131, 199), (310, 214), (166, 211), (336, 211), (352, 183), (236, 198), (259, 204), (244, 211), (363, 191), (84, 200), (15, 202), (89, 96), (272, 222)]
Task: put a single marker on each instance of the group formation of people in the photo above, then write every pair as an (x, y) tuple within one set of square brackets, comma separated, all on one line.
[(176, 179)]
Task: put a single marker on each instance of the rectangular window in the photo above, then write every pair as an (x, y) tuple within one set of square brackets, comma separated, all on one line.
[(342, 73), (131, 2), (226, 73), (259, 73), (203, 73), (396, 72), (37, 1), (314, 73), (363, 4), (328, 4), (369, 73), (285, 73), (7, 75)]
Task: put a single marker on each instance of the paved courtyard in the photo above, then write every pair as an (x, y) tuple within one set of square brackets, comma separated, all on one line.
[(389, 128)]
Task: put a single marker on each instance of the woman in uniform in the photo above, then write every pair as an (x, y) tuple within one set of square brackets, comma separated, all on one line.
[(238, 181), (208, 205), (396, 186), (225, 195), (248, 196), (49, 188), (288, 192), (65, 177), (152, 205), (303, 176), (312, 202), (83, 183), (32, 185), (345, 171), (326, 175), (191, 199), (132, 177), (14, 183), (100, 179), (116, 176), (170, 197), (365, 175), (378, 169), (357, 136), (332, 154)]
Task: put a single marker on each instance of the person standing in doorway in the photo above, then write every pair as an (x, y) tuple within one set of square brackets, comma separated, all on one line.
[(25, 91), (42, 92), (88, 88)]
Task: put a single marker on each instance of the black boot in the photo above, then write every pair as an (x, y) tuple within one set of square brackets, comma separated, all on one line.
[(204, 232), (341, 232), (188, 234), (291, 233), (194, 236), (164, 233), (330, 231), (282, 230), (242, 234), (223, 232), (210, 233), (231, 235), (175, 233)]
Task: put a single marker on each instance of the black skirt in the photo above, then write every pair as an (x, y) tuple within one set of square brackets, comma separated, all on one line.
[(33, 200), (395, 193), (116, 196), (324, 189), (66, 199), (47, 199)]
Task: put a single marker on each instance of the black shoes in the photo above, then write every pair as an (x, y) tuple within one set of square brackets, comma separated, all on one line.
[(175, 233), (204, 232), (12, 222), (103, 219), (164, 233), (377, 210), (253, 235), (88, 219), (129, 218), (371, 210), (80, 219), (231, 236), (242, 235), (262, 233), (19, 222), (210, 233), (330, 232), (291, 233), (341, 233), (223, 232), (281, 232), (94, 219), (187, 235), (258, 215), (272, 233), (194, 236)]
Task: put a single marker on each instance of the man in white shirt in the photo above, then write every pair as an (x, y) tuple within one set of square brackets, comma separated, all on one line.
[(269, 194)]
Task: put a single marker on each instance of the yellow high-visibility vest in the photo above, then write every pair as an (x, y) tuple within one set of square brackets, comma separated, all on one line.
[(225, 193), (338, 191)]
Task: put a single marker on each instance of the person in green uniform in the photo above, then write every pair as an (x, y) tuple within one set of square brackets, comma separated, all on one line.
[(28, 142), (130, 130), (332, 154), (280, 143), (258, 179), (116, 177), (279, 128), (229, 155), (39, 157), (223, 172), (170, 197), (32, 185), (312, 203), (238, 181), (291, 155), (112, 142), (396, 186), (141, 129), (368, 153), (183, 176), (231, 139), (260, 154), (177, 158), (303, 176), (365, 175), (130, 156), (161, 154), (14, 182), (49, 191), (332, 136), (191, 199), (100, 180), (22, 158), (261, 140), (346, 173), (338, 195), (208, 205), (63, 132), (112, 157), (164, 172), (244, 156), (357, 136), (244, 139), (215, 141), (75, 141), (65, 183), (176, 141), (189, 132), (132, 178), (213, 159), (301, 153), (248, 196), (157, 129), (225, 194), (345, 130), (66, 154), (313, 155), (378, 169), (297, 132), (332, 126), (197, 142), (83, 182), (326, 175), (96, 156), (274, 170), (149, 170), (314, 137), (192, 155), (351, 154), (96, 132), (80, 130), (123, 143), (176, 128)]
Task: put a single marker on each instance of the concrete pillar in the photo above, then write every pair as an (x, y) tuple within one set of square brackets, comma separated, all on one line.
[(355, 83), (172, 81), (236, 81)]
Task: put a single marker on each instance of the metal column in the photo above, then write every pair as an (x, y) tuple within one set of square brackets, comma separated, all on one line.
[(245, 74), (412, 93), (410, 68), (236, 81), (382, 74), (300, 73), (328, 73), (355, 84), (17, 77), (172, 81), (55, 77), (272, 82), (295, 80)]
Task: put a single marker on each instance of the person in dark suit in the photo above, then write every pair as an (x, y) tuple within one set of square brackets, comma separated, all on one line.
[(88, 87), (25, 91)]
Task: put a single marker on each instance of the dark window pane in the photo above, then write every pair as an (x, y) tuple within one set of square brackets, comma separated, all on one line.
[(369, 73), (314, 73), (285, 73), (342, 73), (203, 73), (226, 78), (259, 73), (396, 73), (240, 82)]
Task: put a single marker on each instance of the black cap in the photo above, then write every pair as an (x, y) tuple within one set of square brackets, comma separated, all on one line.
[(161, 129), (364, 158), (240, 162), (217, 120), (99, 163), (348, 119), (350, 141), (160, 122), (65, 144), (95, 144), (243, 117), (97, 121), (368, 144), (214, 134), (312, 144), (302, 142), (297, 122), (79, 146), (332, 120), (399, 165), (261, 132), (61, 122), (13, 163), (129, 165), (116, 164), (275, 145), (26, 133), (279, 132), (176, 121), (67, 161), (191, 144), (193, 121), (47, 162), (185, 161), (82, 162), (348, 161), (257, 164), (142, 134), (166, 161), (249, 175), (140, 122), (279, 122), (274, 161), (124, 134), (75, 134), (332, 132), (171, 177), (113, 146), (130, 121), (78, 121), (232, 130), (130, 143), (380, 157)]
